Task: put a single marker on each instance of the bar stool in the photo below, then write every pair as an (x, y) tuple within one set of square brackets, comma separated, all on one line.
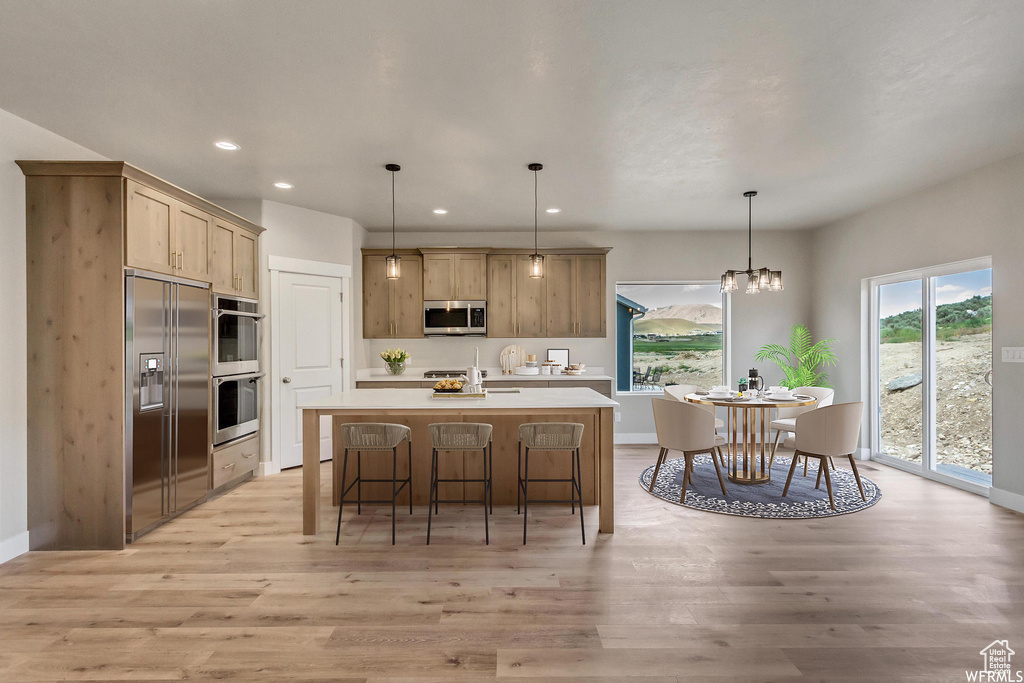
[(550, 436), (460, 436), (374, 436)]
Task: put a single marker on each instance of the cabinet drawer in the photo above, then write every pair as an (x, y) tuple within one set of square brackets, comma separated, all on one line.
[(601, 386), (235, 461)]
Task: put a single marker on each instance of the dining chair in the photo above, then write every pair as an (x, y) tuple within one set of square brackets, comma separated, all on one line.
[(679, 392), (785, 420), (825, 432), (689, 428)]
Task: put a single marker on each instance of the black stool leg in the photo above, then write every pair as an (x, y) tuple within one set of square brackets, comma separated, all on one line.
[(394, 493), (519, 477), (359, 482), (579, 489), (487, 487), (410, 476), (526, 491), (490, 475), (572, 481), (433, 490), (341, 500)]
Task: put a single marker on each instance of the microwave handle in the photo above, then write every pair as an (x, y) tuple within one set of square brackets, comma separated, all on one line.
[(252, 377), (218, 312)]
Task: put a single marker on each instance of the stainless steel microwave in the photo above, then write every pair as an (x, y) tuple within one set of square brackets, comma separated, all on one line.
[(443, 318)]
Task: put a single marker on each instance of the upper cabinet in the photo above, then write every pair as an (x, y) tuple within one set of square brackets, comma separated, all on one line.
[(454, 276), (167, 235), (575, 295), (392, 308)]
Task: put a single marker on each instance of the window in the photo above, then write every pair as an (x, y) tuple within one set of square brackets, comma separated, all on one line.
[(669, 333), (932, 372)]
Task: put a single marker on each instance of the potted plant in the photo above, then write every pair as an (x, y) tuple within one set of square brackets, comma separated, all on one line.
[(802, 360), (394, 360)]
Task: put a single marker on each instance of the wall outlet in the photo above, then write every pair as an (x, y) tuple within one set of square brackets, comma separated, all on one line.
[(1013, 354), (618, 417)]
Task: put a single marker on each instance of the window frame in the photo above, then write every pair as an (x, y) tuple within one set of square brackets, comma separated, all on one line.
[(726, 337)]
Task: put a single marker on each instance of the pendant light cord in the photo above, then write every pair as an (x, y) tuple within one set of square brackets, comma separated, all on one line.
[(392, 213), (750, 233), (535, 213)]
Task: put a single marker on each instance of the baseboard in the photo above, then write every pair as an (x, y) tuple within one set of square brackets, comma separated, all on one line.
[(1006, 499), (863, 454), (638, 438), (268, 468), (11, 547)]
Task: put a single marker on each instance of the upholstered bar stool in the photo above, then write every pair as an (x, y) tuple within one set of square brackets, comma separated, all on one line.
[(460, 436), (550, 436), (374, 437)]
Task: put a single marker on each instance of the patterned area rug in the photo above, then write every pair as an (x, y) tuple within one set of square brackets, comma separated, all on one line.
[(764, 500)]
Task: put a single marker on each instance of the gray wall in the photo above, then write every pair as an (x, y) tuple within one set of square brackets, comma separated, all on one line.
[(977, 214), (19, 139), (639, 257)]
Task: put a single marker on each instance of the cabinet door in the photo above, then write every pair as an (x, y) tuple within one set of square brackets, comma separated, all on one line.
[(192, 230), (247, 263), (590, 295), (501, 295), (529, 302), (376, 298), (222, 258), (149, 239), (438, 276), (471, 277), (407, 301), (559, 273)]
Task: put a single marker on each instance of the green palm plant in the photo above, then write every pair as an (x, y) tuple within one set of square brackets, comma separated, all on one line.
[(802, 361)]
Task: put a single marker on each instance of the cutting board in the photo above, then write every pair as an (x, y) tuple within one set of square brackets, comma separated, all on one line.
[(512, 356)]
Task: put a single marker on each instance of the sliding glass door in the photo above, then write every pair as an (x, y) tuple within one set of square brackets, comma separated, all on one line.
[(932, 372)]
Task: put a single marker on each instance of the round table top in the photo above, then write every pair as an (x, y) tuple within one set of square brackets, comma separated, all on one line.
[(797, 400)]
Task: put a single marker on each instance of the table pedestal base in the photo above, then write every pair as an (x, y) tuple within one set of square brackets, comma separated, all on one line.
[(747, 450)]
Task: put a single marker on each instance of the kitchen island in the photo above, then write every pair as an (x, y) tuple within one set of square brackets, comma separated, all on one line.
[(417, 408)]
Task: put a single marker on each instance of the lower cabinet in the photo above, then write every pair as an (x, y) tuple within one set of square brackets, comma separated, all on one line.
[(234, 461)]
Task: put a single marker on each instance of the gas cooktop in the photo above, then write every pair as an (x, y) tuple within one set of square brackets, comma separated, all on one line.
[(433, 374)]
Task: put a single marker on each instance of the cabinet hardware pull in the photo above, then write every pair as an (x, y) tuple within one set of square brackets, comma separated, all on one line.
[(247, 455), (228, 466), (181, 260)]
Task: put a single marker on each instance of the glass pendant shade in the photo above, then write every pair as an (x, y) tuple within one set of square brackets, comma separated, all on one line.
[(764, 277), (393, 267), (729, 281), (536, 266), (775, 282), (753, 283)]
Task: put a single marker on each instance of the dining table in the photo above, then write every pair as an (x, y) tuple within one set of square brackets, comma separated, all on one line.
[(747, 431)]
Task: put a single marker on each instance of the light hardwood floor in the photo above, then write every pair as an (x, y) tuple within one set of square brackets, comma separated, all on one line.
[(910, 589)]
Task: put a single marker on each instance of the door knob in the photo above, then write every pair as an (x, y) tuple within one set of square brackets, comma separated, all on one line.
[(286, 380)]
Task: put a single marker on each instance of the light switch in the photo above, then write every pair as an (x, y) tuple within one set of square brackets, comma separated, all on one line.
[(1013, 354)]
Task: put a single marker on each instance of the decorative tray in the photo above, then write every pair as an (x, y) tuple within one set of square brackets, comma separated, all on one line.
[(459, 394)]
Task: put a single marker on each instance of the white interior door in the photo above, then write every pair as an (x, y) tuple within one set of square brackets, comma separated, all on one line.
[(309, 350)]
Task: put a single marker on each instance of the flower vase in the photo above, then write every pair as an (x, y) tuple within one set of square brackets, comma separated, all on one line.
[(395, 368)]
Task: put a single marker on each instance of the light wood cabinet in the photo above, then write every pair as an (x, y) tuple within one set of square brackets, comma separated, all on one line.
[(575, 295), (454, 276), (515, 301), (234, 260), (530, 304), (149, 233), (392, 309), (192, 241), (231, 463)]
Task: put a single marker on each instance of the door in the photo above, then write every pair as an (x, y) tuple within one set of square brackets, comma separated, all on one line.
[(590, 296), (438, 277), (900, 370), (470, 277), (149, 239), (192, 392), (246, 263), (222, 258), (407, 299), (501, 295), (308, 324), (192, 241), (377, 299), (560, 273), (530, 304)]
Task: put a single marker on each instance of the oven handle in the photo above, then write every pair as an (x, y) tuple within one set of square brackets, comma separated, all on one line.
[(218, 312), (252, 377)]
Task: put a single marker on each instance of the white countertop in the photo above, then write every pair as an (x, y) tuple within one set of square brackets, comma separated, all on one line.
[(493, 375), (423, 399)]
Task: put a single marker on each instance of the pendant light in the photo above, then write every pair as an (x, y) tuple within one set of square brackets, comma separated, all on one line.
[(536, 261), (393, 263), (758, 280)]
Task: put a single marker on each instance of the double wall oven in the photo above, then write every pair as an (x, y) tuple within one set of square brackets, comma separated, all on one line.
[(236, 368)]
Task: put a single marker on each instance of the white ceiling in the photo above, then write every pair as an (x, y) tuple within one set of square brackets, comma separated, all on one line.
[(647, 115)]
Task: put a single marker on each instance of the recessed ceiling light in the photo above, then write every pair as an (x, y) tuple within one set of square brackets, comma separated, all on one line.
[(554, 210), (440, 211), (229, 146), (283, 186)]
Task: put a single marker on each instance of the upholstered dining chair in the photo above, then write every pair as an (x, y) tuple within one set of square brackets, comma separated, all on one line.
[(689, 428), (785, 421), (678, 392), (826, 432)]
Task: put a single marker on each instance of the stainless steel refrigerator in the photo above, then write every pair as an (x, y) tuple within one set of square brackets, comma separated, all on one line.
[(167, 363)]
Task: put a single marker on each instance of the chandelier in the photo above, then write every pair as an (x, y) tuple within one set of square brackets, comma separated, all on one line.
[(757, 279)]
